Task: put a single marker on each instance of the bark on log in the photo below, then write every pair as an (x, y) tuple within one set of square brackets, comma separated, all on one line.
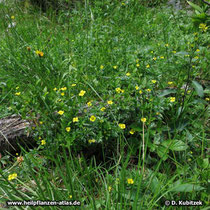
[(12, 128)]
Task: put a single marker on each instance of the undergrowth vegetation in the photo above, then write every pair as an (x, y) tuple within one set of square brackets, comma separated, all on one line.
[(119, 97)]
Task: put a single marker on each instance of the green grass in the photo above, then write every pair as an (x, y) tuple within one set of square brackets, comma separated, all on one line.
[(151, 63)]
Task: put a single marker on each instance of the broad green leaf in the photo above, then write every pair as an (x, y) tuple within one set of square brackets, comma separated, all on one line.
[(187, 188), (151, 146), (182, 125), (166, 92), (175, 145), (195, 6), (155, 184), (162, 152), (197, 12), (198, 88), (205, 163), (199, 161)]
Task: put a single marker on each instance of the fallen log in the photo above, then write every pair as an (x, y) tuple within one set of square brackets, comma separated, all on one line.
[(12, 130)]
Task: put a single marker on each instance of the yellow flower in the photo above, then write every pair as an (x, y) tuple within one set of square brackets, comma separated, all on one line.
[(122, 126), (203, 27), (89, 104), (101, 67), (114, 67), (140, 91), (137, 65), (130, 181), (154, 58), (154, 81), (172, 99), (166, 45), (17, 87), (197, 50), (162, 57), (39, 53), (12, 176), (128, 74), (137, 87), (109, 188), (55, 89), (148, 90), (170, 83), (43, 142), (132, 131), (13, 17), (64, 88), (62, 94), (174, 51), (92, 118), (60, 112), (147, 66), (189, 91), (207, 99), (103, 109), (18, 93), (68, 129), (82, 93), (123, 4), (70, 196), (152, 52), (143, 119), (157, 113), (40, 122), (91, 141), (73, 85), (75, 119), (118, 90), (196, 57), (109, 102)]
